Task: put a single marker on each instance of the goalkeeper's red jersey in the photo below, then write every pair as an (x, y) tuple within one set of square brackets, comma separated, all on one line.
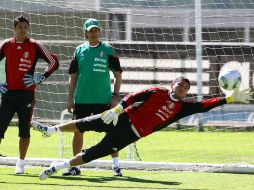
[(153, 109), (21, 58)]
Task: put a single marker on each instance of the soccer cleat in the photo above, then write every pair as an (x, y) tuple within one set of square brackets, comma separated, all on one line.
[(42, 128), (47, 173), (19, 169), (72, 172), (117, 171)]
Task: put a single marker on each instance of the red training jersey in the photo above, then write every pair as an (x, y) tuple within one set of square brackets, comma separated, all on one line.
[(21, 58), (153, 109)]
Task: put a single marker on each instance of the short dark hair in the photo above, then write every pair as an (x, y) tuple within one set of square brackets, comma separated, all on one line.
[(179, 79), (20, 19)]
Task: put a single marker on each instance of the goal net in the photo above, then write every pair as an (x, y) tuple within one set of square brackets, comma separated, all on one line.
[(156, 42)]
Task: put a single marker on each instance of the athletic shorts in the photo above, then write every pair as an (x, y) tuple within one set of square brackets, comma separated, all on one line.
[(84, 110), (20, 102), (116, 138)]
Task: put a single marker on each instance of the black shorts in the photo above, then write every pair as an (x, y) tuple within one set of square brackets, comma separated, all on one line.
[(85, 110), (117, 137), (20, 102)]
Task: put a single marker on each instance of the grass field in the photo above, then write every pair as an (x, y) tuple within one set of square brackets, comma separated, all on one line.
[(166, 146), (171, 146), (101, 179)]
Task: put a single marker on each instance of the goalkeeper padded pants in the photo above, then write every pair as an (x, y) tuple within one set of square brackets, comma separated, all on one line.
[(116, 138), (20, 102)]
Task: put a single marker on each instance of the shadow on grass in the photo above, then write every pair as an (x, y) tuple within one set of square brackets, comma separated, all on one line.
[(93, 186), (101, 179)]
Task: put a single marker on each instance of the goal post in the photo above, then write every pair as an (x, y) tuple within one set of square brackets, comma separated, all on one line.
[(156, 41)]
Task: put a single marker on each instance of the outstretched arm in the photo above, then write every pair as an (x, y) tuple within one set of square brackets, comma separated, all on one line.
[(241, 96)]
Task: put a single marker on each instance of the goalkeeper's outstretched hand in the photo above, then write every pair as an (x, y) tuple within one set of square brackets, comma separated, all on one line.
[(3, 88), (30, 80), (112, 114), (237, 95)]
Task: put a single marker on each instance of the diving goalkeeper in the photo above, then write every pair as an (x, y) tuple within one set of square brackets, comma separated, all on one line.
[(136, 116)]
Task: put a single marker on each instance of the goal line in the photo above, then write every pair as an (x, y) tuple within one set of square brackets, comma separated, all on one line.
[(138, 165)]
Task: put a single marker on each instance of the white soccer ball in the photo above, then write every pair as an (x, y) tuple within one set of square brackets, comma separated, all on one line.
[(230, 80)]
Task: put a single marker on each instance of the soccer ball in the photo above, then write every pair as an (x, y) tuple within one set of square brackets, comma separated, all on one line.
[(230, 80)]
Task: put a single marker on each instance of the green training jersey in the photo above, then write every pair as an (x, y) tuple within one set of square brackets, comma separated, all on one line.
[(93, 77)]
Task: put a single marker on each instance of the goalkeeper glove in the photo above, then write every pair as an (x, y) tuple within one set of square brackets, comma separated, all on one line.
[(112, 114), (237, 95), (3, 88), (30, 80)]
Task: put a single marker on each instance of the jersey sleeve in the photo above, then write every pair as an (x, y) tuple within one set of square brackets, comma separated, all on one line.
[(2, 46), (203, 106), (113, 61), (74, 65), (49, 57)]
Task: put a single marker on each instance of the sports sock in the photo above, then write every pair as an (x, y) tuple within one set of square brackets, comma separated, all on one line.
[(53, 129), (61, 165), (21, 162), (115, 161)]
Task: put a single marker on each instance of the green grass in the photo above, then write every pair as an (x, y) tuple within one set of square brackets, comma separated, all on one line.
[(199, 147), (169, 146), (166, 146), (100, 179)]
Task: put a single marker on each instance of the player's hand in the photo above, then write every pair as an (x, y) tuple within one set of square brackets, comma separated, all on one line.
[(237, 95), (3, 88), (112, 114), (70, 105), (30, 80)]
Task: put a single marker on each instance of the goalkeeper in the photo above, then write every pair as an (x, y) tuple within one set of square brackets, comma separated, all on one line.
[(136, 116), (21, 54)]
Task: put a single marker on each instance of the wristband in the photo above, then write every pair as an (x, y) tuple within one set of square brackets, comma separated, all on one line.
[(229, 99), (115, 94)]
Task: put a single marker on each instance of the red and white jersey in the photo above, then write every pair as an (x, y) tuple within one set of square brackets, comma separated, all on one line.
[(153, 109), (21, 58)]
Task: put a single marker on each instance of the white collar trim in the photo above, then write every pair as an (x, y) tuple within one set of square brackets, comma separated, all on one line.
[(94, 45), (171, 96)]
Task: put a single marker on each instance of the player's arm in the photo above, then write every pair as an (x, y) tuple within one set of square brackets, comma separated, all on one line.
[(53, 64), (3, 86), (113, 114), (207, 104), (118, 82), (241, 96), (115, 67), (49, 57), (73, 77), (2, 46)]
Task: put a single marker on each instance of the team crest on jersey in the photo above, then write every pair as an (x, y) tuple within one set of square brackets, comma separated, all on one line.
[(101, 54), (26, 54), (171, 105)]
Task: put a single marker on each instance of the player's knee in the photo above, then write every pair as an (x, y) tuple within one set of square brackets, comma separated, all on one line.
[(94, 153)]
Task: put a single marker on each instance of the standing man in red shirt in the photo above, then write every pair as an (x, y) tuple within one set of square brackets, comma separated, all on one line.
[(17, 93), (136, 116)]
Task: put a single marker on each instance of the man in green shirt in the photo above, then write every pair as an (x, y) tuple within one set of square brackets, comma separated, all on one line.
[(90, 86)]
